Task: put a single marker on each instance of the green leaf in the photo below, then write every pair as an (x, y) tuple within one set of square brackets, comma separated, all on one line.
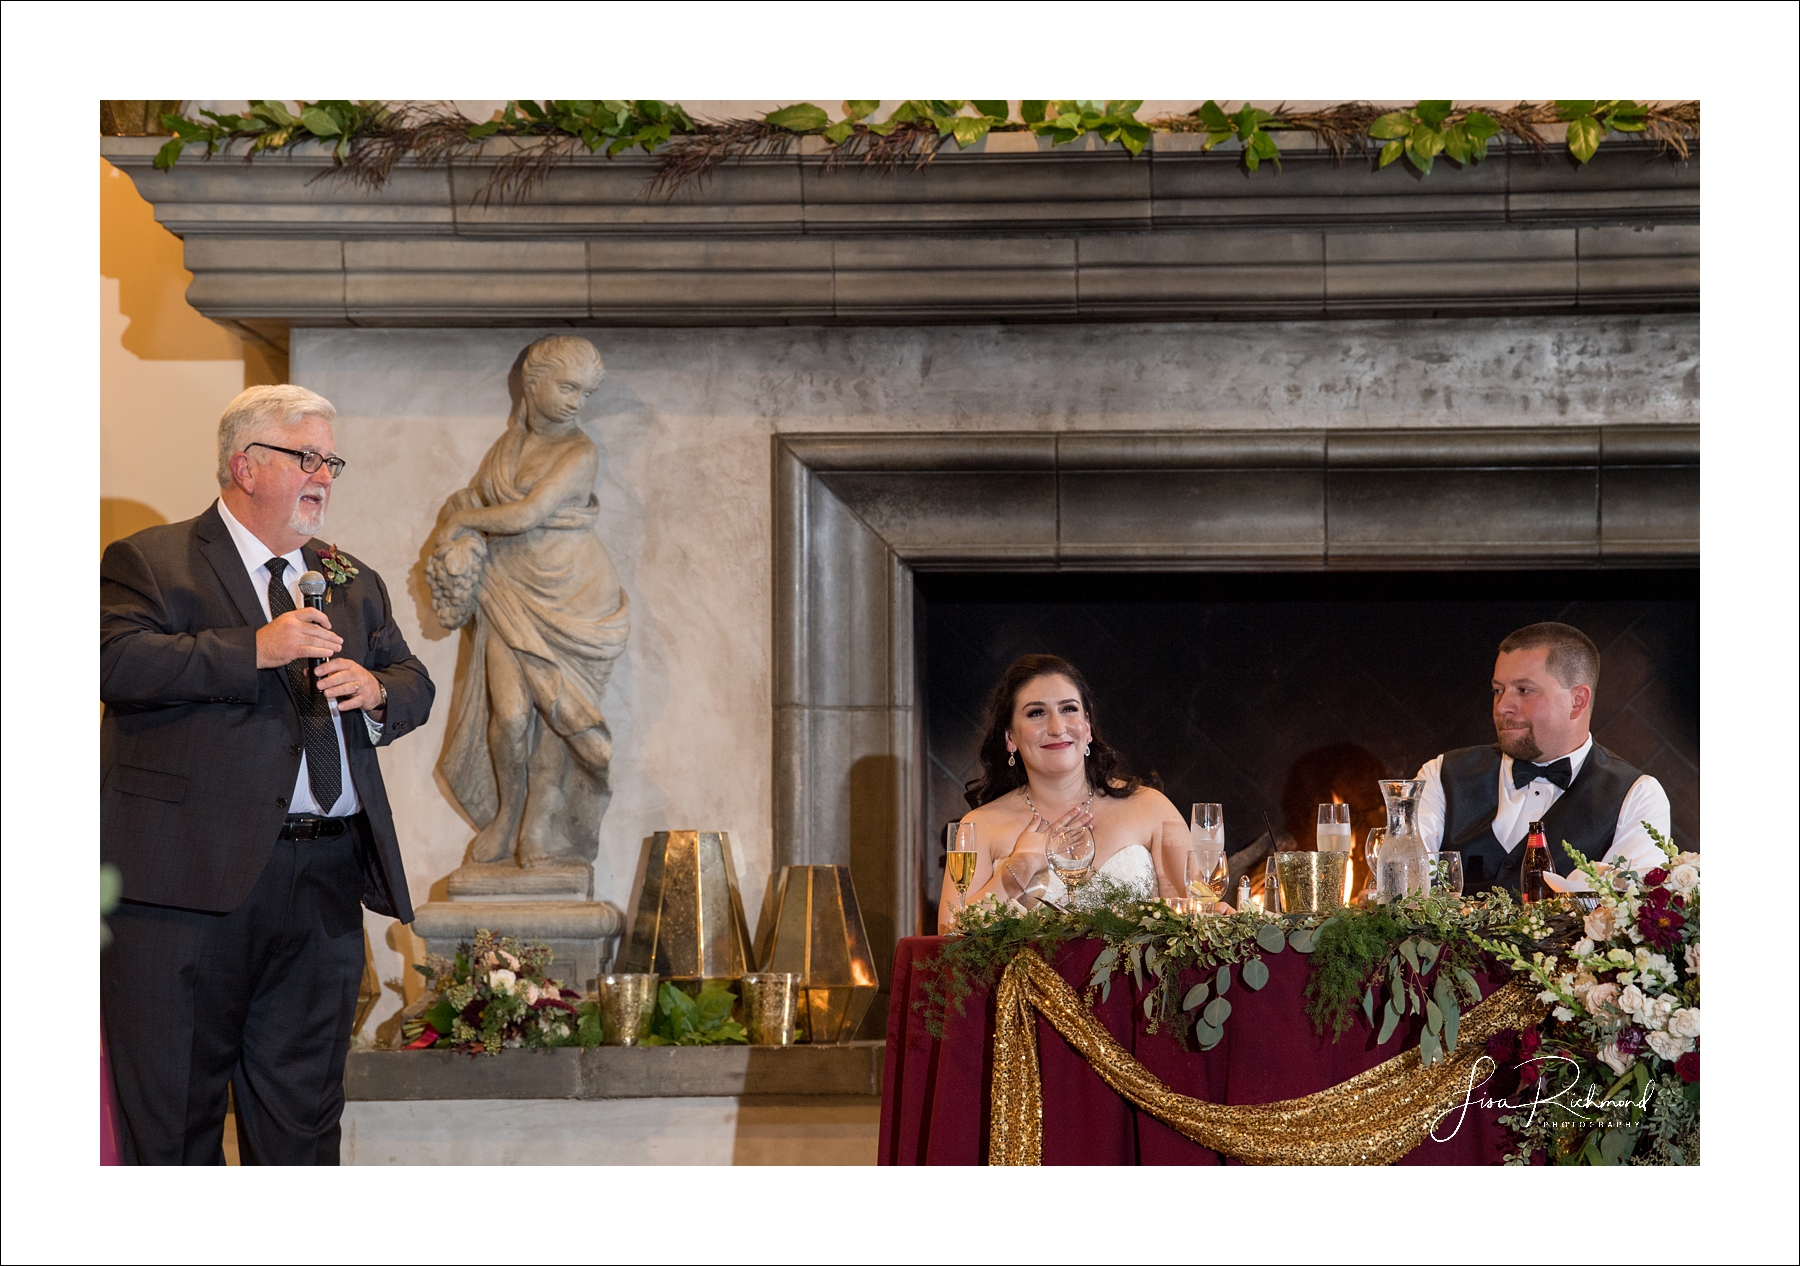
[(1429, 1050), (996, 110), (855, 110), (1412, 996), (1428, 953), (1481, 125), (1208, 1035), (1134, 136), (1255, 974), (1217, 1012), (1452, 1024), (274, 112), (1216, 120), (1422, 146), (1369, 1006), (169, 154), (804, 117), (1303, 940), (1457, 144), (318, 122), (1196, 996), (1389, 152), (1389, 1020), (1471, 988), (1222, 981), (1150, 1006), (967, 131), (1434, 1017), (1262, 146), (1432, 113), (481, 131), (1392, 126), (1569, 111), (1270, 938), (1410, 953), (1616, 1145), (839, 132), (441, 1016), (1032, 111), (1584, 138)]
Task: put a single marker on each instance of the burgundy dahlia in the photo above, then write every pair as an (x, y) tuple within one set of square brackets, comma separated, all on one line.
[(1657, 877), (1661, 925), (1629, 1040)]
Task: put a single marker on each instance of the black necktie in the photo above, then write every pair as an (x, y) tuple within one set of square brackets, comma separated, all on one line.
[(322, 771), (1557, 771)]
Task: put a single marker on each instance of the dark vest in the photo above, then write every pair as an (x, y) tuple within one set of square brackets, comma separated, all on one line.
[(1587, 814)]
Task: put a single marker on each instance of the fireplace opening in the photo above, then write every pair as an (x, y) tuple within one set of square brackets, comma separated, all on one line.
[(1272, 693)]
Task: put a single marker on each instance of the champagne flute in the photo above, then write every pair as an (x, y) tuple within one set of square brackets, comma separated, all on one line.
[(960, 857), (1207, 832), (1071, 855), (1372, 853)]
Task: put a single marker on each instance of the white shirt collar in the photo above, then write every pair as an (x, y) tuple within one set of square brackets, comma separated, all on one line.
[(255, 554), (1576, 759)]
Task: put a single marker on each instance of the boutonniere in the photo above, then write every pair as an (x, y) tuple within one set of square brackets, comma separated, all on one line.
[(339, 570)]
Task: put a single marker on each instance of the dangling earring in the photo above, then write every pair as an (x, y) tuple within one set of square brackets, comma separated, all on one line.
[(1011, 759), (1087, 749)]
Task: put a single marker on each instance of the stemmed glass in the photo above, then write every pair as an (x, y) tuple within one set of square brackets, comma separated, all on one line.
[(1206, 833), (1371, 853), (1447, 873), (1071, 855), (960, 857), (1205, 879)]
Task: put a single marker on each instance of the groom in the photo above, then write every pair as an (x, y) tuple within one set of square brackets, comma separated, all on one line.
[(241, 798), (1481, 801)]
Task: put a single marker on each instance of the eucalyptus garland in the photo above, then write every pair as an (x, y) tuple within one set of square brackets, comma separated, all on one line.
[(366, 138)]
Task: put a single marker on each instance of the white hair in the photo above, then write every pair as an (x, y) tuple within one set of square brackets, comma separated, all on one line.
[(258, 413)]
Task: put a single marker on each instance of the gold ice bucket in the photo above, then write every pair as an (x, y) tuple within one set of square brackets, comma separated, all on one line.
[(688, 923), (1311, 883), (812, 927), (627, 1005), (771, 1005)]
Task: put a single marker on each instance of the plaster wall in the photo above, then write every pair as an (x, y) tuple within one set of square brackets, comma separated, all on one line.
[(684, 421)]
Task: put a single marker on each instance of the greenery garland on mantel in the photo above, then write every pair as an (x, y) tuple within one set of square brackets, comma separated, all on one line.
[(367, 138)]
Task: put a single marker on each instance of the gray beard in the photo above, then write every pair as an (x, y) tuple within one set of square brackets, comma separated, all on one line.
[(1524, 748), (306, 522)]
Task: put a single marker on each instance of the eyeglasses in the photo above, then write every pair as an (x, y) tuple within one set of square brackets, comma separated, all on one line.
[(309, 460)]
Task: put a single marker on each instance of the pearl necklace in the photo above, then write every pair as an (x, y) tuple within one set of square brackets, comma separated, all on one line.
[(1027, 790)]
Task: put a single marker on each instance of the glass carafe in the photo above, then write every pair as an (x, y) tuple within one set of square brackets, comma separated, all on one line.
[(1404, 866)]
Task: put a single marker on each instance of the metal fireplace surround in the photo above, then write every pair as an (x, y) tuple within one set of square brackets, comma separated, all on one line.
[(857, 515)]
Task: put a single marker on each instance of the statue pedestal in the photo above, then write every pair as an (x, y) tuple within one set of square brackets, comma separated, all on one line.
[(552, 904)]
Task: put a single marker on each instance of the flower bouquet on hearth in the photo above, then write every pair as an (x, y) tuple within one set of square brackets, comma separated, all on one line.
[(495, 994), (1613, 1076)]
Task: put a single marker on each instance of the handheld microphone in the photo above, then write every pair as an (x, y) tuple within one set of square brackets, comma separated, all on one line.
[(312, 593)]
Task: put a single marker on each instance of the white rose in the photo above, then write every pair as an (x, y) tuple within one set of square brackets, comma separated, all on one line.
[(1693, 959), (1688, 859), (1599, 924), (530, 991), (501, 981), (1684, 879), (1613, 1059), (1601, 996), (1668, 1046), (1685, 1022), (1631, 1000), (1584, 948), (1655, 1013)]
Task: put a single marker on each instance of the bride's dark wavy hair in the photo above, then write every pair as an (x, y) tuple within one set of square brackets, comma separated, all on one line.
[(1106, 771)]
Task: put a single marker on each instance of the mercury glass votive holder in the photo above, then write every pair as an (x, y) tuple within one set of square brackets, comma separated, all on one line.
[(1311, 883), (627, 1004), (771, 1001)]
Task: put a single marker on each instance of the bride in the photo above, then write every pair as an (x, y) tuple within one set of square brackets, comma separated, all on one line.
[(1044, 768)]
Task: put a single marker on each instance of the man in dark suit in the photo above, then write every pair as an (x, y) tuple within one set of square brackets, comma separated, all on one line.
[(241, 799)]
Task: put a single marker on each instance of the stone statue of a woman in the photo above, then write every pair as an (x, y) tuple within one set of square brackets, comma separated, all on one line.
[(529, 752)]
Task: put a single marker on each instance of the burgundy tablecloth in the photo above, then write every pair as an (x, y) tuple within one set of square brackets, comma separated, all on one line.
[(934, 1095)]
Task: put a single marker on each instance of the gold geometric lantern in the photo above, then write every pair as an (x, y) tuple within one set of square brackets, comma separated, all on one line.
[(812, 925), (689, 921)]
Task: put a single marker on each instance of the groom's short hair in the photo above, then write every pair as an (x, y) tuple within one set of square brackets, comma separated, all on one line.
[(1571, 655)]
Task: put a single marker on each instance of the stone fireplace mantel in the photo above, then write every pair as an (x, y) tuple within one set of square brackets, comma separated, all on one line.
[(1010, 230)]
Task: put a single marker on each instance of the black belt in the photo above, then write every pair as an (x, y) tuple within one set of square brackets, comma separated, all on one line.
[(304, 826)]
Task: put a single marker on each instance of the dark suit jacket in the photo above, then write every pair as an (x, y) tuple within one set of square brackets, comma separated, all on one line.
[(199, 750)]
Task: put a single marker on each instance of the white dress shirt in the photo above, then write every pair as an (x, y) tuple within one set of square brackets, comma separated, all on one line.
[(256, 557), (1519, 807)]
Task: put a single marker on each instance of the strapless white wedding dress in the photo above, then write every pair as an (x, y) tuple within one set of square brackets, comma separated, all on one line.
[(1130, 868)]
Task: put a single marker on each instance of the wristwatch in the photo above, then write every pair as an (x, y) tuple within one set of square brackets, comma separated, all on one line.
[(383, 690)]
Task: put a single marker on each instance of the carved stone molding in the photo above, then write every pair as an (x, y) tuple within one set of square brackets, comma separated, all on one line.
[(857, 515), (1008, 230)]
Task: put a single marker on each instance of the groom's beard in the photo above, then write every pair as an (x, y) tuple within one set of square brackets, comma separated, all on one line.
[(1519, 744)]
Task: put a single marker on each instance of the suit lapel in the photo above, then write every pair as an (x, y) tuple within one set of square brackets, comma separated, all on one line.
[(222, 554), (345, 619)]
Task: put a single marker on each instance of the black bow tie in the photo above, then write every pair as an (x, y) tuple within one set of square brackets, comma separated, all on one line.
[(1557, 771)]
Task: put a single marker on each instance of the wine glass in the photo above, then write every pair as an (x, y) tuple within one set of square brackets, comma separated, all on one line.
[(960, 857), (1204, 881), (1371, 853), (1071, 855), (1206, 831), (1447, 873)]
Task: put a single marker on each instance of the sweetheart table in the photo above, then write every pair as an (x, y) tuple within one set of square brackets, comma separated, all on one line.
[(936, 1094)]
